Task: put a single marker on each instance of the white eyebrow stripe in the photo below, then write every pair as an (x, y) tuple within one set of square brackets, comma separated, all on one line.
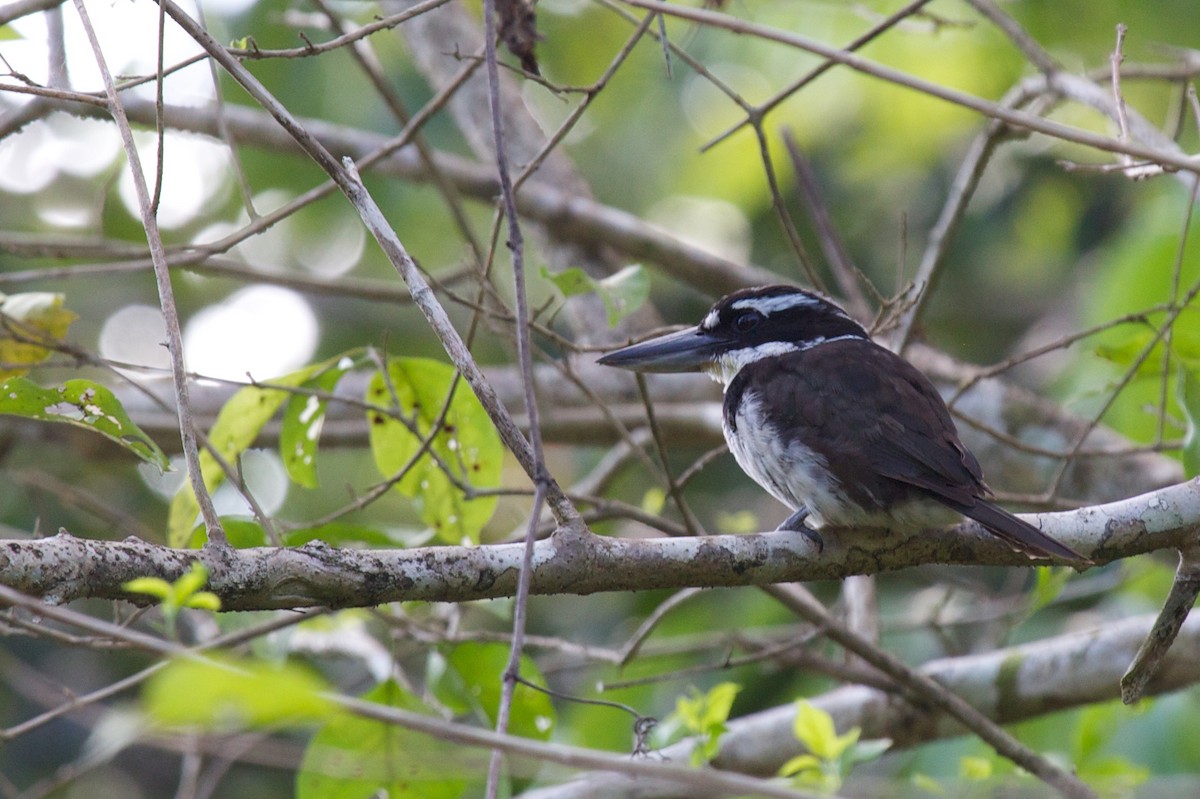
[(769, 305)]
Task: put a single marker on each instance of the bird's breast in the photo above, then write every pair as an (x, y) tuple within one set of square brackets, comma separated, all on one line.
[(789, 470)]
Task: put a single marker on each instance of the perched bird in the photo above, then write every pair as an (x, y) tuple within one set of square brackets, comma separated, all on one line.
[(841, 430)]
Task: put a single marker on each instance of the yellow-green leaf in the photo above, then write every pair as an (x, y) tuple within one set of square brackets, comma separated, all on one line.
[(974, 768), (236, 427), (814, 728), (28, 322), (653, 500), (156, 587), (798, 764)]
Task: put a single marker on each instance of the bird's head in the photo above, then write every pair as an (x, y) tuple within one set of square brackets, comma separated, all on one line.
[(741, 328)]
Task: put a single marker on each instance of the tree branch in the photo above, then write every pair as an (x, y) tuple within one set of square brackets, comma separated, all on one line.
[(63, 568), (1007, 685)]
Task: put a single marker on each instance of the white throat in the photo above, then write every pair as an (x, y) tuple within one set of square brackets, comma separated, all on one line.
[(728, 364)]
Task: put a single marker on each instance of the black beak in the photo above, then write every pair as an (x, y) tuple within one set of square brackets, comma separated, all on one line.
[(686, 351)]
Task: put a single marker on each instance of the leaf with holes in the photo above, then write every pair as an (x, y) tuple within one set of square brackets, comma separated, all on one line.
[(303, 417), (80, 403), (463, 453)]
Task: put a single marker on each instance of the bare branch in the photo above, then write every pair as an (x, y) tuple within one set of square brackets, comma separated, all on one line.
[(317, 574)]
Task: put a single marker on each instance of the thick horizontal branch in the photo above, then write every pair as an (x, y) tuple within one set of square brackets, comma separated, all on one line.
[(63, 568), (1007, 685)]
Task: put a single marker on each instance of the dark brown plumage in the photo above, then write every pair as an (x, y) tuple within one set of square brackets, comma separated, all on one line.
[(885, 436), (838, 428)]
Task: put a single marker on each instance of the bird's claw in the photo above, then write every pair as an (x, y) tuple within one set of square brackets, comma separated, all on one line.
[(795, 524)]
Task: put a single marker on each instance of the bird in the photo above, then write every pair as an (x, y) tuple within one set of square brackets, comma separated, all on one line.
[(841, 430)]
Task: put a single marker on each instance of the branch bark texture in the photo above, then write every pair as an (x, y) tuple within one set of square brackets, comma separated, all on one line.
[(63, 568)]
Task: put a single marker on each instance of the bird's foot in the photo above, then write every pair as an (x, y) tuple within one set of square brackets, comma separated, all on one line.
[(795, 524)]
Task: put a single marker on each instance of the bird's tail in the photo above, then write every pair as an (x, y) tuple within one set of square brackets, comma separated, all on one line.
[(1023, 537)]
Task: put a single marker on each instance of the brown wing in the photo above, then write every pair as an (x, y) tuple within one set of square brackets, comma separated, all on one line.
[(879, 423), (886, 434)]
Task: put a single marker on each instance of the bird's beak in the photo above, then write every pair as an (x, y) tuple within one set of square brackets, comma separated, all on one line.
[(689, 350)]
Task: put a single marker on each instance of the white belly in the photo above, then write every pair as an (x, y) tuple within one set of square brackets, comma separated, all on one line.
[(793, 475)]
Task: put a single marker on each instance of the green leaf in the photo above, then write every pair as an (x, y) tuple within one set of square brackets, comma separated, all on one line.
[(156, 587), (342, 534), (223, 693), (1048, 585), (572, 281), (624, 292), (237, 426), (928, 784), (1124, 344), (173, 597), (191, 581), (80, 403), (1188, 389), (701, 713), (866, 751), (351, 757), (704, 716), (814, 728), (466, 444), (303, 417), (27, 322), (242, 534), (974, 768), (472, 680), (800, 764)]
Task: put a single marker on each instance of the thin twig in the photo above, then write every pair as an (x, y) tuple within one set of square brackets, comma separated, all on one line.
[(1029, 47), (988, 108), (162, 277), (630, 648), (673, 490), (837, 256), (756, 115), (541, 477)]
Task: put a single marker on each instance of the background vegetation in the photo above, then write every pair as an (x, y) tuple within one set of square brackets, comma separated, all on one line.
[(971, 179)]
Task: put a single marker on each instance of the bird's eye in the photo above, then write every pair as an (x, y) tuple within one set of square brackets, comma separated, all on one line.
[(745, 322)]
